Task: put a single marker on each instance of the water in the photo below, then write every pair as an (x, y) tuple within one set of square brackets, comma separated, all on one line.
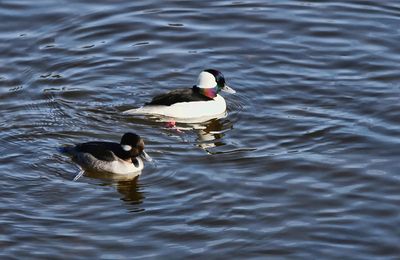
[(304, 166)]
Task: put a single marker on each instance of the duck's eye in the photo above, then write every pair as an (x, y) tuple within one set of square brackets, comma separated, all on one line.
[(126, 147)]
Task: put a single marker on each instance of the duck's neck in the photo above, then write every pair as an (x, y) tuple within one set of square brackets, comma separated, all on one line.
[(124, 155), (137, 162), (208, 92)]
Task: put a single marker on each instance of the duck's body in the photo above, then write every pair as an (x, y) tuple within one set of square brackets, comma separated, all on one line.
[(110, 157), (184, 109), (102, 157), (199, 103)]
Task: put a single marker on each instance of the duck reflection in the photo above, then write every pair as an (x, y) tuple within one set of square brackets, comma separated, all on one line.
[(130, 191), (209, 130), (209, 134), (126, 185)]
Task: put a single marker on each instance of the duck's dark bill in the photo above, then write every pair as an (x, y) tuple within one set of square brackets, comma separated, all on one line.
[(228, 89), (146, 157)]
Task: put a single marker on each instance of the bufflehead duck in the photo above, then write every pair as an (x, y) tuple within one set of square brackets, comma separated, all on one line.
[(197, 104), (108, 157)]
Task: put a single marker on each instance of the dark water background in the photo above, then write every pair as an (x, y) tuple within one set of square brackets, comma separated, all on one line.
[(306, 165)]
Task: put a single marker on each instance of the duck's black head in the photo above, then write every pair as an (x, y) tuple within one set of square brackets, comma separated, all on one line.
[(132, 143), (219, 77)]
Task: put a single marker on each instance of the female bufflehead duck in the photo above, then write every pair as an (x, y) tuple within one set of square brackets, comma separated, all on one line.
[(108, 157), (201, 102)]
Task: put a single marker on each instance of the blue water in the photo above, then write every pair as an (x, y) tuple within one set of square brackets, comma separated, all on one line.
[(305, 165)]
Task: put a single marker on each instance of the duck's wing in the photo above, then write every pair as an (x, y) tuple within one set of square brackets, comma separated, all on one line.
[(177, 96), (101, 150)]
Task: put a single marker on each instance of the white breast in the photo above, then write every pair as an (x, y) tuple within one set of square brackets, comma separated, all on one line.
[(118, 166), (122, 167), (185, 111)]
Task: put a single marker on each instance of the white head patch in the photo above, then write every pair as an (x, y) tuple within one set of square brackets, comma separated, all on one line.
[(206, 80), (126, 147)]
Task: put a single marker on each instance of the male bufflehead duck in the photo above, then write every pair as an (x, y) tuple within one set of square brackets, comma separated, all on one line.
[(201, 102), (108, 157)]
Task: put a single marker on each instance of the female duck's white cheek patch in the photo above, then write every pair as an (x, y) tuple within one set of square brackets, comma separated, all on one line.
[(126, 147)]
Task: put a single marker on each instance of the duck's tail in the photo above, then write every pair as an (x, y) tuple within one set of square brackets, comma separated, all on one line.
[(136, 111)]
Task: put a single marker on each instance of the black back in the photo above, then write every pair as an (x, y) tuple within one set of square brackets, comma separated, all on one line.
[(104, 151), (177, 96)]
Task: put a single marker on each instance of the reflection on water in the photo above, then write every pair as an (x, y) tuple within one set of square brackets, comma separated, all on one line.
[(126, 185), (130, 191), (210, 134)]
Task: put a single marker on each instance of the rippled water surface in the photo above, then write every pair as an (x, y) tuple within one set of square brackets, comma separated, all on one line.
[(305, 165)]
